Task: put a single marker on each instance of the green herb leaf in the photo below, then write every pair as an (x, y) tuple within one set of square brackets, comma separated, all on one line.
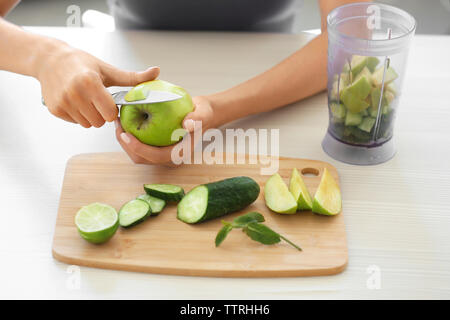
[(261, 233), (247, 218), (222, 234)]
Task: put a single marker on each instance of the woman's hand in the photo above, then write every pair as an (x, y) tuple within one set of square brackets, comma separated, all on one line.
[(142, 153), (74, 85)]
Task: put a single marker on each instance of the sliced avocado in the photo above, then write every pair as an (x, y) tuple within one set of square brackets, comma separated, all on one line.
[(353, 119), (354, 95), (367, 124), (298, 189), (377, 76)]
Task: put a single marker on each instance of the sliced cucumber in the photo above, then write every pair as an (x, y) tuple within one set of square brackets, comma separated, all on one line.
[(156, 205), (367, 124), (216, 199), (166, 192), (353, 119), (134, 212)]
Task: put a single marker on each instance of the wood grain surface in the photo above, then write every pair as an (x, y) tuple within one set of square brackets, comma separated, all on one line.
[(165, 245)]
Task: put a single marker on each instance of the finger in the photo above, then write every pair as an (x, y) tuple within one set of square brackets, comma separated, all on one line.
[(60, 113), (200, 114), (65, 116), (149, 153), (93, 116), (79, 118), (116, 77), (86, 109), (104, 103), (135, 158)]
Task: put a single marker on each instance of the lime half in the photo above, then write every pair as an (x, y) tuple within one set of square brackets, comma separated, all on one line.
[(97, 222)]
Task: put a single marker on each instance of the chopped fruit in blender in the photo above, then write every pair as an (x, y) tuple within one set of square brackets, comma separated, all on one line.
[(377, 76)]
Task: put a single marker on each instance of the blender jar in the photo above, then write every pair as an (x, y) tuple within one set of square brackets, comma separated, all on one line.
[(368, 45)]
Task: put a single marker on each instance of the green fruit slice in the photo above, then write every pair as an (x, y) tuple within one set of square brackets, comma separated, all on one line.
[(327, 200), (377, 76), (134, 212), (156, 204), (353, 119), (298, 189), (166, 192), (367, 124), (277, 195), (140, 92), (97, 222), (358, 63), (354, 95)]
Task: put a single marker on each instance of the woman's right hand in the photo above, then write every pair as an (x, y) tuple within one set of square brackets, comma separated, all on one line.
[(74, 85)]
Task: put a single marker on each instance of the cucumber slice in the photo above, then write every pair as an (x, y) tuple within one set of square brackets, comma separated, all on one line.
[(338, 111), (353, 119), (134, 212), (166, 192), (216, 199), (367, 124), (156, 205), (277, 195)]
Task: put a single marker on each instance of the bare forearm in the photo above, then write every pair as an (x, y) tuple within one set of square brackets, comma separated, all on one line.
[(6, 6), (24, 52), (301, 75)]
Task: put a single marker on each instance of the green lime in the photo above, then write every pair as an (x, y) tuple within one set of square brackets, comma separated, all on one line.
[(97, 222)]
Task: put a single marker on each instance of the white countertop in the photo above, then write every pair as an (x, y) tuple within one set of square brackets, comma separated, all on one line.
[(397, 214)]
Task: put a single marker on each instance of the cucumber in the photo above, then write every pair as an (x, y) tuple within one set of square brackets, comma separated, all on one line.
[(353, 119), (134, 212), (166, 192), (367, 124), (216, 199), (156, 205)]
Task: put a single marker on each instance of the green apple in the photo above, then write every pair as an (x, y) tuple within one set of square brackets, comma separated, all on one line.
[(327, 199), (154, 123), (354, 95), (298, 189), (339, 84), (377, 76), (140, 92), (358, 63), (277, 196)]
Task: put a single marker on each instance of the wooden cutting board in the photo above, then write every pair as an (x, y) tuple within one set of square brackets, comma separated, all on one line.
[(165, 245)]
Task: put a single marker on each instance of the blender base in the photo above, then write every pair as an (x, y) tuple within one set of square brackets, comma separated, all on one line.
[(358, 155)]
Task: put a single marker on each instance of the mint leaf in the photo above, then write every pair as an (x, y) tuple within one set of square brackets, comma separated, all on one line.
[(261, 233), (247, 218), (222, 234)]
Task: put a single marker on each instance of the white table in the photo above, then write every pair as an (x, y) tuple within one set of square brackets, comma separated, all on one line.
[(397, 214)]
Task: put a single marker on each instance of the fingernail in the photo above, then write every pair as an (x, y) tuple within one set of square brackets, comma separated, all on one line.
[(125, 138), (189, 125)]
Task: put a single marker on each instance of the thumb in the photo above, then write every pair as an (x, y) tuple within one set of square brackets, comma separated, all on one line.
[(116, 77), (201, 116)]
